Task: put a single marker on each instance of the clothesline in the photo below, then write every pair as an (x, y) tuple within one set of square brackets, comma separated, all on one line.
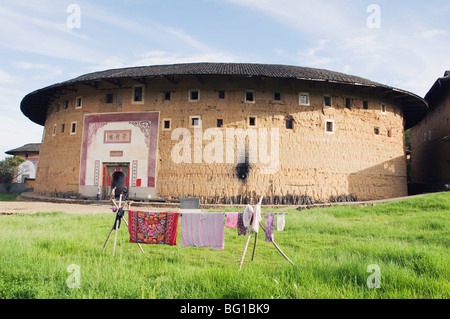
[(181, 213), (198, 229)]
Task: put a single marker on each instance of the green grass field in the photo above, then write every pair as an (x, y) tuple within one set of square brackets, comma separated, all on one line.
[(331, 248)]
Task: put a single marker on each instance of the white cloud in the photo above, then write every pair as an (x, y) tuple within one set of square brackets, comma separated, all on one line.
[(44, 71), (162, 57), (181, 35), (44, 37), (434, 33), (408, 51), (5, 77), (18, 132), (318, 55)]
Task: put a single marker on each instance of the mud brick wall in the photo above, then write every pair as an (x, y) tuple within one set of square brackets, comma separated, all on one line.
[(312, 162)]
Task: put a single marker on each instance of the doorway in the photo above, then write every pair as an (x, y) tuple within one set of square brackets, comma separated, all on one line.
[(115, 175), (118, 181)]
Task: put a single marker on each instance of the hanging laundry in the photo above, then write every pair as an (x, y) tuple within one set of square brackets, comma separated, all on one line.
[(280, 221), (256, 218), (231, 220), (270, 224), (203, 230), (153, 228), (248, 213), (242, 230)]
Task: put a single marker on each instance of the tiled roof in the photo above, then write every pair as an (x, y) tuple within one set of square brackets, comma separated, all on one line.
[(35, 104), (440, 87), (231, 69), (32, 147)]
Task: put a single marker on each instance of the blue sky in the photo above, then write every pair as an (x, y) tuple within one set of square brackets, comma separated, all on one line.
[(409, 49)]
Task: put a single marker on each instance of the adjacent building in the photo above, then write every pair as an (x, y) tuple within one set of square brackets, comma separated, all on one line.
[(430, 141), (26, 172)]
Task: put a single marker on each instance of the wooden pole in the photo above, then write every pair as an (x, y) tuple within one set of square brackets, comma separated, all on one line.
[(276, 246), (115, 238), (256, 234), (245, 248), (112, 228), (107, 239), (281, 252), (254, 246), (137, 243)]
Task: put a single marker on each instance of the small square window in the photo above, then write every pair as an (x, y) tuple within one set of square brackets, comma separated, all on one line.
[(195, 121), (66, 104), (329, 126), (79, 102), (194, 95), (389, 133), (109, 98), (376, 130), (73, 128), (167, 124), (221, 95), (138, 94), (366, 105), (219, 122), (63, 127), (249, 96), (166, 96), (327, 100), (303, 99), (252, 121), (289, 124), (277, 96), (383, 108)]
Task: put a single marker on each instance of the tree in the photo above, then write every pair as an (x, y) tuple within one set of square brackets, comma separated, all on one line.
[(8, 170)]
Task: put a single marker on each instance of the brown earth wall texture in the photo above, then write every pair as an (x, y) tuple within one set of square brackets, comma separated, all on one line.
[(352, 160)]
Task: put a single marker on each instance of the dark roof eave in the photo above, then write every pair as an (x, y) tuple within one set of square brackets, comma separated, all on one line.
[(35, 104)]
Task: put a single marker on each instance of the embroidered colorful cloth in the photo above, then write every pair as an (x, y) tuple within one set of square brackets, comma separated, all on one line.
[(270, 224), (203, 230), (153, 228), (231, 220), (242, 230)]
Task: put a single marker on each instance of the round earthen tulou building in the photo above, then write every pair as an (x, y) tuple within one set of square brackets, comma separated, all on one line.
[(224, 132)]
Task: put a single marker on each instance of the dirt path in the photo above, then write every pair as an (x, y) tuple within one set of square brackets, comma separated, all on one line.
[(35, 207), (31, 207)]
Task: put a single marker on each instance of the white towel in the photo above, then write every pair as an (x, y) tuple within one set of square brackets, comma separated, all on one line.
[(256, 218), (280, 222), (248, 213)]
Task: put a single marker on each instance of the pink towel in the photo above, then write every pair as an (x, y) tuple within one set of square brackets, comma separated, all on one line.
[(203, 230), (231, 220)]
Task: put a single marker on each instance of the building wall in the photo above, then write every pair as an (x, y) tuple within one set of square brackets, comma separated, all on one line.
[(430, 157), (351, 160), (27, 170)]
